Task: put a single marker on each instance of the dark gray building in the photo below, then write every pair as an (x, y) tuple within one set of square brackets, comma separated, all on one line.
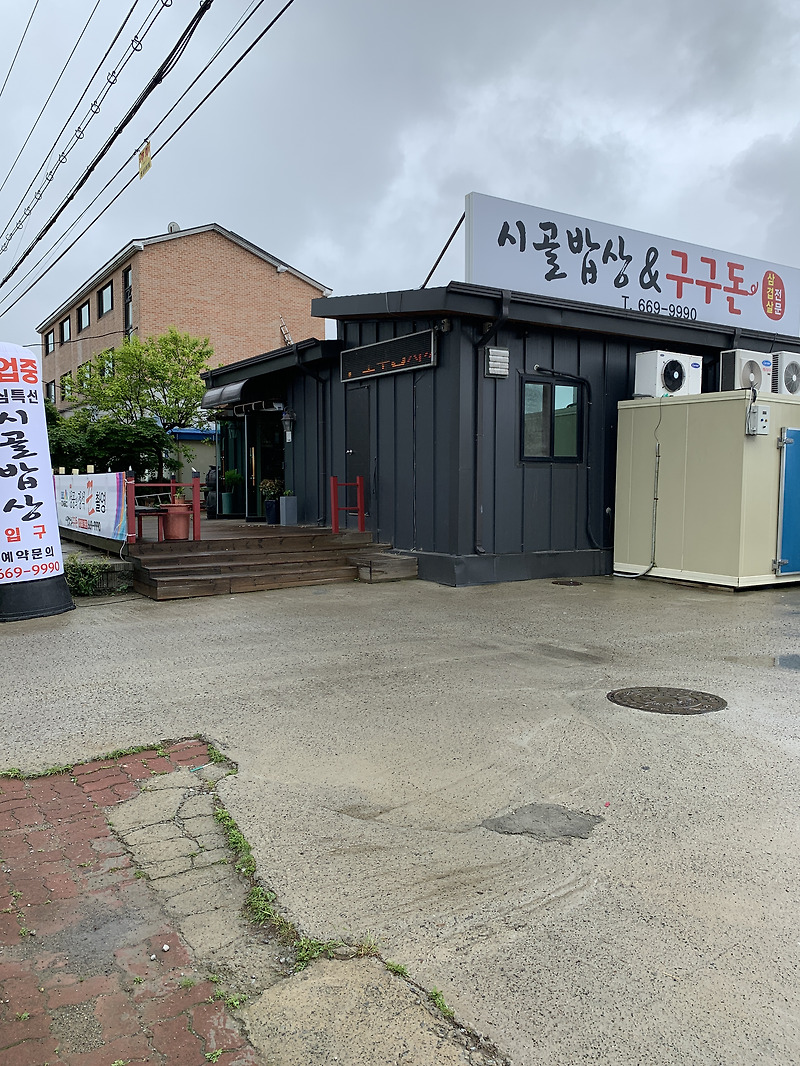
[(483, 422)]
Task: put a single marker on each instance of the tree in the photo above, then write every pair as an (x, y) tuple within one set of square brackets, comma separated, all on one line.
[(157, 380), (80, 441)]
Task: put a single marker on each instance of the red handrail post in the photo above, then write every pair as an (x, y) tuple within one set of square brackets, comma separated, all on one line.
[(195, 505), (362, 524), (334, 503), (130, 501)]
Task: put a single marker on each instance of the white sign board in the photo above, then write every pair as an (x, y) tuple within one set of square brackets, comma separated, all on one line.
[(93, 503), (30, 548), (529, 249)]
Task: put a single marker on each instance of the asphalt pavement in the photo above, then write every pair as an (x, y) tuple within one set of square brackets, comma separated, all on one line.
[(376, 727)]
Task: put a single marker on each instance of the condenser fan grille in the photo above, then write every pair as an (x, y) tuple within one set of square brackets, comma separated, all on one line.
[(791, 377), (751, 375), (673, 375)]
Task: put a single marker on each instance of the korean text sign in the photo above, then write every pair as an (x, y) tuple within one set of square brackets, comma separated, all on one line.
[(528, 249), (30, 548), (92, 503)]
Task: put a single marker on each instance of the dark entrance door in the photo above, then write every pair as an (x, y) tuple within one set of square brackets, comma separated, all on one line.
[(357, 446)]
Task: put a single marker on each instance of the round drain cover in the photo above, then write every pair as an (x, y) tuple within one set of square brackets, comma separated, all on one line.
[(667, 700)]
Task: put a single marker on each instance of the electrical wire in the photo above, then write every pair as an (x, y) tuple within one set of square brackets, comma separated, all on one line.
[(111, 79), (19, 46), (166, 67), (134, 177), (49, 98)]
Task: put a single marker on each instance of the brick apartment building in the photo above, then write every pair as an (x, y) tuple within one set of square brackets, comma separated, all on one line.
[(206, 281)]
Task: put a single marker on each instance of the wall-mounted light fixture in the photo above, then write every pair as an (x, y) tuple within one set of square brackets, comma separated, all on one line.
[(288, 419)]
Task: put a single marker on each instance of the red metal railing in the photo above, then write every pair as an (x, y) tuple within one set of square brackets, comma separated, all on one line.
[(336, 507), (136, 513)]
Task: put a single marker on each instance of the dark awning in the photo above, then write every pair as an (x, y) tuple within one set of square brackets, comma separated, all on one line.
[(224, 395)]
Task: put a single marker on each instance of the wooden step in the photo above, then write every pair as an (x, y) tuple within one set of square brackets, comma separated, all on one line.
[(178, 588)]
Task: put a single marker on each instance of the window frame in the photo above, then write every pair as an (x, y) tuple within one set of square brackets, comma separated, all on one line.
[(65, 335), (84, 307), (50, 341), (551, 383), (61, 381), (107, 288), (50, 390)]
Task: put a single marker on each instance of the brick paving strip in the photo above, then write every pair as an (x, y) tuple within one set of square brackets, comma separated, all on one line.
[(79, 926)]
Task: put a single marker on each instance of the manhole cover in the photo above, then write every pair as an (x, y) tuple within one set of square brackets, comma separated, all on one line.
[(667, 700), (567, 582)]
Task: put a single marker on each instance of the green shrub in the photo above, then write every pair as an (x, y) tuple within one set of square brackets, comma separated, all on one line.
[(86, 577)]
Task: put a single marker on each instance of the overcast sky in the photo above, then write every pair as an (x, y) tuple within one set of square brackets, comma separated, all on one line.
[(346, 141)]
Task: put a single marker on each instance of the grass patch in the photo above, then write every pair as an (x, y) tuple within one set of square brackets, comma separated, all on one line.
[(187, 982), (437, 999), (244, 861), (12, 772), (396, 968), (215, 755), (306, 950)]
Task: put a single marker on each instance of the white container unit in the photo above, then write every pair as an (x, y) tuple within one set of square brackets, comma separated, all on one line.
[(720, 490)]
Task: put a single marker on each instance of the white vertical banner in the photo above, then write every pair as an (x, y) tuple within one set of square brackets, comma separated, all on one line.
[(30, 547)]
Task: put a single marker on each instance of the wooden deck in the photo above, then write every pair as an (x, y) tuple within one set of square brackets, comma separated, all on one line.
[(236, 557)]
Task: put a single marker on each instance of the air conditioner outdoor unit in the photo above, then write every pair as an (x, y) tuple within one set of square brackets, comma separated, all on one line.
[(668, 374), (741, 369), (786, 373)]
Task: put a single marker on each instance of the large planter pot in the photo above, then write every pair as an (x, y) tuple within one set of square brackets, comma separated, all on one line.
[(227, 502), (288, 510), (177, 520), (271, 512)]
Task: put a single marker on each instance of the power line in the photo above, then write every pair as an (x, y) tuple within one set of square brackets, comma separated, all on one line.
[(24, 34), (166, 67), (111, 79), (239, 25), (131, 180), (49, 98)]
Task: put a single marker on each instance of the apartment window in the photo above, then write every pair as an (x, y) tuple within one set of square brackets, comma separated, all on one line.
[(50, 391), (83, 375), (66, 380), (105, 299), (49, 342), (83, 316), (127, 301), (64, 331), (551, 421)]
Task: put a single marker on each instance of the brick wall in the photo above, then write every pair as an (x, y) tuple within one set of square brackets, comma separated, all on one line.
[(208, 286)]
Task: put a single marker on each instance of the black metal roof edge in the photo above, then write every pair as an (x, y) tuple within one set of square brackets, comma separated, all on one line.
[(278, 359), (484, 303)]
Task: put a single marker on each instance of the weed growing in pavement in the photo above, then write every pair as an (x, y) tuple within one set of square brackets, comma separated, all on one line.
[(53, 770), (245, 863), (22, 1016), (187, 982), (396, 968), (437, 999), (215, 755), (24, 931), (306, 950), (213, 1056), (120, 1062), (13, 772), (138, 980), (261, 912), (214, 978), (16, 894), (368, 947), (139, 873), (85, 577)]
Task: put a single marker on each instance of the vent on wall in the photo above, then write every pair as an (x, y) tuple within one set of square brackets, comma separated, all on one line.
[(497, 361), (173, 227)]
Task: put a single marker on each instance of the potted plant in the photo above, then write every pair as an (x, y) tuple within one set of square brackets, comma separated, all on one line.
[(177, 518), (232, 479), (288, 508), (271, 489)]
